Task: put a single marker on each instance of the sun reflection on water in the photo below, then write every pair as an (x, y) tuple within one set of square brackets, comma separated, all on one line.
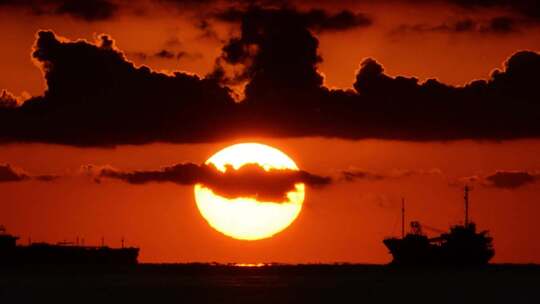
[(249, 264)]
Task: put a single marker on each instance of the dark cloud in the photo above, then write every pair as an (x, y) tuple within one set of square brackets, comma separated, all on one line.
[(314, 17), (96, 97), (280, 60), (521, 8), (496, 25), (8, 173), (250, 180), (511, 179), (464, 25), (88, 10), (502, 24), (527, 8), (185, 4), (343, 20), (502, 107), (317, 19), (277, 48), (514, 16), (165, 54), (501, 179)]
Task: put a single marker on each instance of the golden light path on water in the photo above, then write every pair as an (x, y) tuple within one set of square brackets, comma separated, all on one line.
[(247, 218)]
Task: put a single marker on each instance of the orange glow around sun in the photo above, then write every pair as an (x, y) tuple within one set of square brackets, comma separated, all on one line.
[(246, 218)]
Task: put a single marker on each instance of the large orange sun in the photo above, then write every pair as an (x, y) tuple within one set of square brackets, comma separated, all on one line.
[(247, 218)]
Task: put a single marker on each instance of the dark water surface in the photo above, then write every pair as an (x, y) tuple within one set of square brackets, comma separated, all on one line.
[(200, 283)]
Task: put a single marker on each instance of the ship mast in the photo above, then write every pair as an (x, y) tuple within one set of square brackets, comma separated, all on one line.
[(402, 217), (466, 196)]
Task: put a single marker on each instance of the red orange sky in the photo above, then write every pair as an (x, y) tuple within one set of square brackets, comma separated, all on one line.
[(344, 222)]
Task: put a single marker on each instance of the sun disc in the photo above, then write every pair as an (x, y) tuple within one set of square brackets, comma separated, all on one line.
[(246, 218)]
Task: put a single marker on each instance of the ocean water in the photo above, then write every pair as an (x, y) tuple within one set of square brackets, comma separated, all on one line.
[(205, 283)]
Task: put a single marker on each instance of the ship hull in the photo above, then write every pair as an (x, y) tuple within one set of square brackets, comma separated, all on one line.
[(412, 252), (56, 254)]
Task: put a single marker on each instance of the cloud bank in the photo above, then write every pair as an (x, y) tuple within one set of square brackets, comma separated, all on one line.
[(500, 179), (505, 179), (250, 180), (96, 97)]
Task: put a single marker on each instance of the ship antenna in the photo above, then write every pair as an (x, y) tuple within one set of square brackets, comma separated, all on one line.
[(402, 217), (466, 196)]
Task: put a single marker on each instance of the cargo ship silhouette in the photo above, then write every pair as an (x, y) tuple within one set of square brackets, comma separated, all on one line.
[(62, 253), (461, 246)]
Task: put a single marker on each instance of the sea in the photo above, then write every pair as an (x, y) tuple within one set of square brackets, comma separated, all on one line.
[(268, 283)]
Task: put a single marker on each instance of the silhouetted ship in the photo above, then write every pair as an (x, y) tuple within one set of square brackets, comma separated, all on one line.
[(62, 253), (461, 246)]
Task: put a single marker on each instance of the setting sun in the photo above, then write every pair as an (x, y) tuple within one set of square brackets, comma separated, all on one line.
[(247, 218)]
